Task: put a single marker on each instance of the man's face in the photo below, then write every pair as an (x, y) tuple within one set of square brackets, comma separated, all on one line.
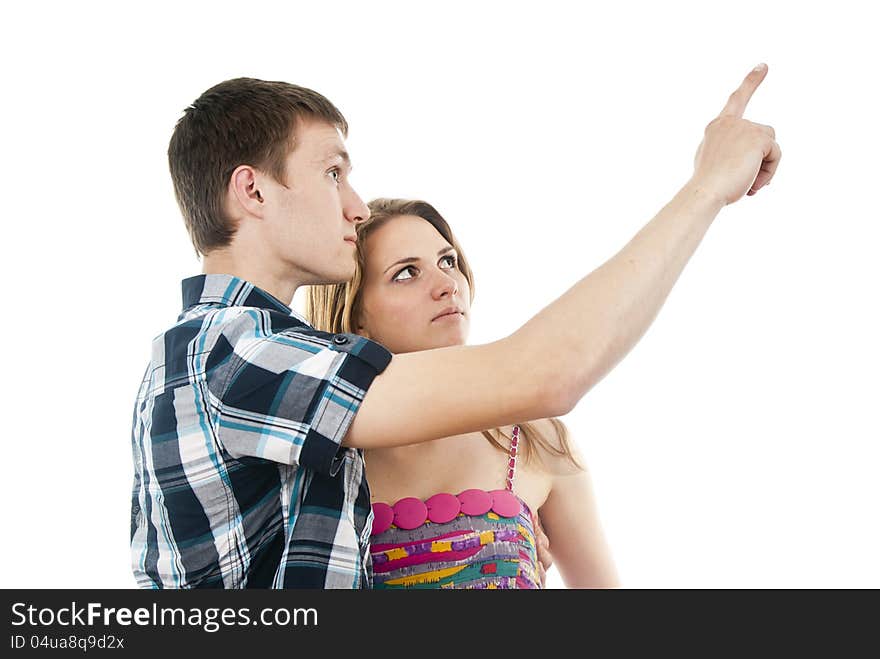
[(311, 222)]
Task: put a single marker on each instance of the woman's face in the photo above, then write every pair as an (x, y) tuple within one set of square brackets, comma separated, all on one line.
[(414, 297)]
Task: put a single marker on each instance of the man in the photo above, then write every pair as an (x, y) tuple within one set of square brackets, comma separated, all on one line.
[(249, 423)]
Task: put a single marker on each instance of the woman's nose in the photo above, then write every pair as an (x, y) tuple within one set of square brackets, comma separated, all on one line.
[(446, 286)]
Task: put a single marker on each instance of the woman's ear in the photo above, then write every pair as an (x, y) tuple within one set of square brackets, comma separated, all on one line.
[(359, 323)]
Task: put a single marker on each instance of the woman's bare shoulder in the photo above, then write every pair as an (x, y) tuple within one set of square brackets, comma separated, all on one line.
[(557, 454)]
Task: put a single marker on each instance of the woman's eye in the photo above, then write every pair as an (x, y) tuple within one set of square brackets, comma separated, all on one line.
[(450, 259), (408, 270), (334, 174)]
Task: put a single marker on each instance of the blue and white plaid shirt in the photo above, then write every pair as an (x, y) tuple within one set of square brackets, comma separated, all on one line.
[(239, 476)]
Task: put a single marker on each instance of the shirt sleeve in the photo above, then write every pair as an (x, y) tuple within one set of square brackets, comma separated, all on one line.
[(288, 396)]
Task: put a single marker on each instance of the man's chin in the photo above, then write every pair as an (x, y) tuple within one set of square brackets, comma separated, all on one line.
[(341, 276)]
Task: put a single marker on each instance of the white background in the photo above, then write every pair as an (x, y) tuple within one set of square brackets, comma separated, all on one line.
[(737, 444)]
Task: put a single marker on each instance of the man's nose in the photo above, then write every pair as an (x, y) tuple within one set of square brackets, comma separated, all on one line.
[(356, 211)]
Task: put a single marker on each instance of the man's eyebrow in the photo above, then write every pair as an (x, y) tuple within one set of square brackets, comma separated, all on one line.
[(338, 153), (413, 259)]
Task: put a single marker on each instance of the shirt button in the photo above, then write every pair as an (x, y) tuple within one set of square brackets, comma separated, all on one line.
[(340, 340)]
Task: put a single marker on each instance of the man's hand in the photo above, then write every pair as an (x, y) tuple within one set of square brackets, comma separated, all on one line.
[(545, 558), (736, 156)]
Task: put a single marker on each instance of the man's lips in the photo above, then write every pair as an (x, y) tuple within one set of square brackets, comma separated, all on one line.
[(447, 312)]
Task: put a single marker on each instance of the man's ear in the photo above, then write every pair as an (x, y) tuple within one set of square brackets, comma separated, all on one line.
[(245, 191)]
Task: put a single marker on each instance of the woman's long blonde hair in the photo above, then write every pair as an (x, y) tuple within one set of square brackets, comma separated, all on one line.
[(336, 308)]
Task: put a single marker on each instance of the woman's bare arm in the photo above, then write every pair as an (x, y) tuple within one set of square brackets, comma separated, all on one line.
[(571, 520)]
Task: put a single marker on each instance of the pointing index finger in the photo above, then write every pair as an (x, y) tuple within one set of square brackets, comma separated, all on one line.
[(736, 104)]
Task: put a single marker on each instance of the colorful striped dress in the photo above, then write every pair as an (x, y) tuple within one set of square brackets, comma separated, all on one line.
[(476, 539)]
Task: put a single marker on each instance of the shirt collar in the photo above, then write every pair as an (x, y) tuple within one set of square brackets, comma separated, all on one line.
[(230, 291)]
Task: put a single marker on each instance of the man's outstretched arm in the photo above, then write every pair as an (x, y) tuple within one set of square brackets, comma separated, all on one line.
[(544, 368)]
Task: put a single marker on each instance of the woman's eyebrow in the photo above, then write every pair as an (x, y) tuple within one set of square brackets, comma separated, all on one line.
[(413, 259)]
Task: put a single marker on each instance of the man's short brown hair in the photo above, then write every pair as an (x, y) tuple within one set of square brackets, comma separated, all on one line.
[(243, 121)]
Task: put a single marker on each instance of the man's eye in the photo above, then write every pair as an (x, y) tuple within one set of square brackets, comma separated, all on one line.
[(450, 259), (334, 174), (408, 269)]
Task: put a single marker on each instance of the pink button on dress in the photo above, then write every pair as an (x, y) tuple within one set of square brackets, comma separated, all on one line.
[(475, 539)]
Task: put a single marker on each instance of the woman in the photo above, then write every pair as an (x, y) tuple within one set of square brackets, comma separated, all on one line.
[(456, 512)]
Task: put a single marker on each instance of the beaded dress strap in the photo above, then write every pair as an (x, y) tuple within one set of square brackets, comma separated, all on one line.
[(511, 459)]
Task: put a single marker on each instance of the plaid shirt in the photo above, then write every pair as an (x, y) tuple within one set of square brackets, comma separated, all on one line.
[(239, 477)]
